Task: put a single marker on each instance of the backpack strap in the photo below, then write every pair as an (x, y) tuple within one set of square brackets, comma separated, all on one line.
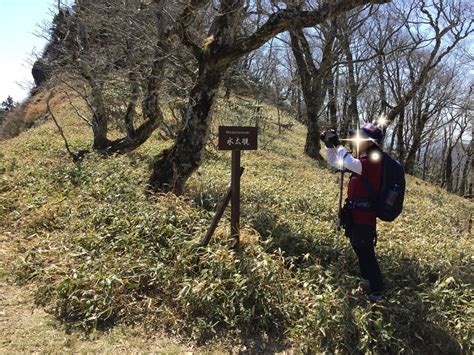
[(383, 185), (362, 204)]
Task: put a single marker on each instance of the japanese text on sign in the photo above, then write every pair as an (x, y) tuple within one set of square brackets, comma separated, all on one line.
[(235, 137)]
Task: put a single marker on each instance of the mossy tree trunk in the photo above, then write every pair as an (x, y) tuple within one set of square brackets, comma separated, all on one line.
[(174, 166)]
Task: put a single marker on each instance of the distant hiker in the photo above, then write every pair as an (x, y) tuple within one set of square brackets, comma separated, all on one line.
[(363, 205)]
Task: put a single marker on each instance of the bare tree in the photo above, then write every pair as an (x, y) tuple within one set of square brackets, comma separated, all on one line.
[(435, 29), (222, 47), (123, 52), (314, 81)]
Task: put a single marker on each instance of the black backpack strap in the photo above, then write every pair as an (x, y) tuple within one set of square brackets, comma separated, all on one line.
[(383, 183), (362, 204)]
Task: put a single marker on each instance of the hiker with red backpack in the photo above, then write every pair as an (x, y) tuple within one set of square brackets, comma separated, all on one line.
[(376, 189)]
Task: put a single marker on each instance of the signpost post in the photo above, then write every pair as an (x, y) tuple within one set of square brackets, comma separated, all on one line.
[(235, 202), (235, 138)]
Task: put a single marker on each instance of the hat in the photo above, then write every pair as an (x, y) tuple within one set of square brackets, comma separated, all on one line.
[(374, 133)]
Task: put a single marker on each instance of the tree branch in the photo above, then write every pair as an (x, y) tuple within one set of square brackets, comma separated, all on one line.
[(76, 109), (292, 19), (60, 129)]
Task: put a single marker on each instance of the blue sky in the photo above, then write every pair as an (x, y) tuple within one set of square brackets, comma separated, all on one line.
[(19, 19)]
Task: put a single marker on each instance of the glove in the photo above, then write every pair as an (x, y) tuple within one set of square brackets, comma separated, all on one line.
[(323, 137), (330, 138)]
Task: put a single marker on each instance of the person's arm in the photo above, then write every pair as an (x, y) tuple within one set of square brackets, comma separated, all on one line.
[(339, 154)]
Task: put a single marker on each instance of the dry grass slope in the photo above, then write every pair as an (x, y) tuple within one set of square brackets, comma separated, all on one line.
[(99, 253)]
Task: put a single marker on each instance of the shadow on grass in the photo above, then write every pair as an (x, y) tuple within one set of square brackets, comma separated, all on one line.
[(409, 315), (304, 249), (408, 318)]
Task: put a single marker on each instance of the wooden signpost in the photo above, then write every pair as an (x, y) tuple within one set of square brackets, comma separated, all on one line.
[(235, 138)]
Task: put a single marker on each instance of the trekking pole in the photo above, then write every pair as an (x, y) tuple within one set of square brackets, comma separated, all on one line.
[(341, 188)]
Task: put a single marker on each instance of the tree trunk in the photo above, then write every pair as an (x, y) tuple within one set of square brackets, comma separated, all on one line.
[(150, 104), (464, 176), (346, 120), (353, 110), (279, 120), (457, 177), (99, 114), (313, 81), (311, 88), (100, 120), (400, 141), (312, 145), (417, 135), (418, 154), (449, 170), (332, 108), (382, 92), (223, 46), (392, 143), (442, 166), (300, 117), (174, 166), (425, 157)]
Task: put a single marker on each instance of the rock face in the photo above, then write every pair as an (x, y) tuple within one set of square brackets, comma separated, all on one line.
[(40, 71), (55, 49)]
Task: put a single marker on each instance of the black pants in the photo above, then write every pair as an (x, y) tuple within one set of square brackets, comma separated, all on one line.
[(362, 241)]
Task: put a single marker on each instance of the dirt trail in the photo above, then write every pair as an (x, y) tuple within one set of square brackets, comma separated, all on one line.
[(26, 328)]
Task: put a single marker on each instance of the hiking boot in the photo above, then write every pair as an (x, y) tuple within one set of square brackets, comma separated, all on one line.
[(376, 297), (365, 284)]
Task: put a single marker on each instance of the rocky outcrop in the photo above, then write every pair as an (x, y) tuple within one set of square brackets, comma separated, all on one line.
[(55, 49), (41, 71)]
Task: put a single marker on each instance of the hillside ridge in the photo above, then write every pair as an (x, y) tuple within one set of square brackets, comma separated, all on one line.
[(99, 253)]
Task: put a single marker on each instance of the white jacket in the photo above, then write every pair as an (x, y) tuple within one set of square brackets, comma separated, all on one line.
[(339, 157)]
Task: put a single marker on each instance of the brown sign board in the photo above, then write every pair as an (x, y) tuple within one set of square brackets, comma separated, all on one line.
[(238, 138)]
